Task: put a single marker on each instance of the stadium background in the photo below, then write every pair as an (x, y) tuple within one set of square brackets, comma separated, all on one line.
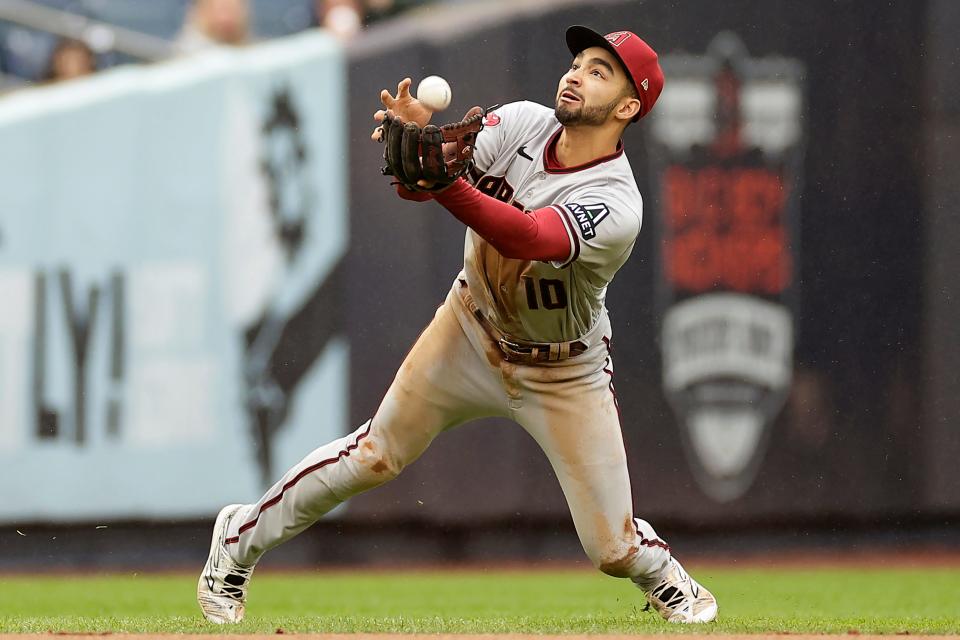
[(861, 454)]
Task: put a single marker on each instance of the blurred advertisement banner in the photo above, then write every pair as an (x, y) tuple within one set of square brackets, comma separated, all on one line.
[(726, 162), (170, 239)]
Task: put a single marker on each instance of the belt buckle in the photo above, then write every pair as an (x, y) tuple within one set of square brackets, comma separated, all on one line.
[(512, 349)]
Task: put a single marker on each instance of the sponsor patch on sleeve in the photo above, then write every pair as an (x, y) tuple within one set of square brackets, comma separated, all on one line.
[(587, 217)]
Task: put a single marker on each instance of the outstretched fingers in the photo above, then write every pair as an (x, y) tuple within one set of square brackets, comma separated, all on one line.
[(387, 99), (403, 89), (403, 93), (393, 103)]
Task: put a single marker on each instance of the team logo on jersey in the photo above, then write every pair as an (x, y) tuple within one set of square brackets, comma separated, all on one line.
[(587, 217), (491, 120), (728, 181)]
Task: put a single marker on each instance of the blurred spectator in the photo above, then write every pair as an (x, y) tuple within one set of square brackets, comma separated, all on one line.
[(215, 22), (70, 59), (345, 17), (342, 18)]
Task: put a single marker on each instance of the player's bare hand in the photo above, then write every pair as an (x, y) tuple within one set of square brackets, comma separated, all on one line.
[(405, 105)]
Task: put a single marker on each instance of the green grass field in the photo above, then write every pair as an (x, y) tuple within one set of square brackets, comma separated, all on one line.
[(915, 601)]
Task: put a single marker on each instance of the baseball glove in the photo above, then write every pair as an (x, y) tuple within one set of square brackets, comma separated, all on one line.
[(435, 155)]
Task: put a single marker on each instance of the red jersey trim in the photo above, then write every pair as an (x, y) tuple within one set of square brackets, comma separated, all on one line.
[(571, 234), (552, 165), (572, 230)]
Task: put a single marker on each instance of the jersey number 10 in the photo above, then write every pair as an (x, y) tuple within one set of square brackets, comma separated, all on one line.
[(545, 293)]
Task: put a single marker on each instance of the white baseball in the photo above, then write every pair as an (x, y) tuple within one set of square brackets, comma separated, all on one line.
[(434, 93)]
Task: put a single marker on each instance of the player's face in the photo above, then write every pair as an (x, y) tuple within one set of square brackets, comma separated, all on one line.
[(591, 91)]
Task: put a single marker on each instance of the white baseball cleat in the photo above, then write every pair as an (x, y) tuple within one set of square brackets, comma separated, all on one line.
[(680, 598), (222, 589)]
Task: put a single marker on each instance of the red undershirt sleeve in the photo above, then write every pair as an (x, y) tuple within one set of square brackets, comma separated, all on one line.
[(526, 235)]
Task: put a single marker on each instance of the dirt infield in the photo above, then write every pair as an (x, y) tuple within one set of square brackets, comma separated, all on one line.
[(510, 636)]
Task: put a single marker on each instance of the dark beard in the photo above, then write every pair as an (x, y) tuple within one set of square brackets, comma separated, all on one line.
[(589, 116)]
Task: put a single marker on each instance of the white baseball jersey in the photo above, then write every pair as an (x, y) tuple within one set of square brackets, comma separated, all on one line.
[(457, 371), (599, 203)]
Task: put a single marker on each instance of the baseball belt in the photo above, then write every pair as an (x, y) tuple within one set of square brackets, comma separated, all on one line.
[(521, 351)]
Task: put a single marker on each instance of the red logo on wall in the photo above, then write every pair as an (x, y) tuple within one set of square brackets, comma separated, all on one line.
[(728, 175), (726, 229)]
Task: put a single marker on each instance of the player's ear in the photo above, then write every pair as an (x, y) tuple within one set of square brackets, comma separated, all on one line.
[(628, 108)]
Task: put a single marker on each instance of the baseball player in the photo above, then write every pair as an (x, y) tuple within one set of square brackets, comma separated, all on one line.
[(552, 211)]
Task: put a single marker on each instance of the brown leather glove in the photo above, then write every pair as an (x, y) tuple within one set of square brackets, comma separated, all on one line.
[(429, 159)]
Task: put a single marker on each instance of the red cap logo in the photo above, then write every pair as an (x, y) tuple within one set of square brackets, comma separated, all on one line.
[(617, 38)]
